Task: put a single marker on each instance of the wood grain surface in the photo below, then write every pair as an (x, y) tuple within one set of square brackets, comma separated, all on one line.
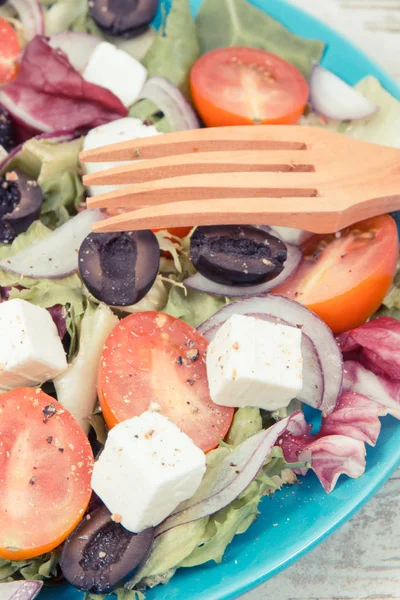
[(361, 561)]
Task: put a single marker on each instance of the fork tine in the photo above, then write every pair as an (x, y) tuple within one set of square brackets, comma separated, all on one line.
[(198, 187), (265, 137), (274, 211), (202, 163)]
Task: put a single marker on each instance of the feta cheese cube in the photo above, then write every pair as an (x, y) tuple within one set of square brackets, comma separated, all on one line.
[(148, 467), (252, 362), (121, 130), (116, 71), (30, 351), (290, 235)]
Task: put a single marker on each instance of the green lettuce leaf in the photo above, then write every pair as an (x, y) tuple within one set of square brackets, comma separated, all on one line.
[(170, 549), (237, 517), (77, 386), (69, 14), (175, 47), (191, 306), (148, 112), (41, 568), (66, 291), (238, 23), (247, 422), (55, 167)]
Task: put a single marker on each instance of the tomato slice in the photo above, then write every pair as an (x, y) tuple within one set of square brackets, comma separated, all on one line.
[(152, 361), (9, 51), (246, 86), (344, 277), (180, 232), (45, 472)]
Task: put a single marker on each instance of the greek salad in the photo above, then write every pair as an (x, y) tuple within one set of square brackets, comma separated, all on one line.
[(153, 382)]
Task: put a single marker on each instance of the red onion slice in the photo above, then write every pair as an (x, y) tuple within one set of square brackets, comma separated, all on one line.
[(333, 98), (77, 46), (171, 102), (56, 255), (31, 15), (313, 379), (20, 590), (292, 313), (202, 284), (234, 474)]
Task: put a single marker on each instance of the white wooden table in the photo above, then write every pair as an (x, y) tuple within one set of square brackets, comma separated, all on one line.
[(362, 559)]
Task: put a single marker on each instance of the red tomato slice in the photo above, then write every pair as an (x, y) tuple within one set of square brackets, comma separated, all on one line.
[(45, 473), (9, 51), (344, 277), (180, 232), (247, 86), (152, 361)]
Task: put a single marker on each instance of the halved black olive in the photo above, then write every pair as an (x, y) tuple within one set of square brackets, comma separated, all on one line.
[(119, 268), (123, 18), (20, 204), (6, 129), (100, 553), (237, 254)]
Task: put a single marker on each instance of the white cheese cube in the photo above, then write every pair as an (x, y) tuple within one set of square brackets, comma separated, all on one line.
[(290, 235), (31, 351), (148, 467), (116, 71), (121, 130), (252, 362)]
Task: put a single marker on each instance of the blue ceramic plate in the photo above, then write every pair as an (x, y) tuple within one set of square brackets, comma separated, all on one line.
[(295, 520)]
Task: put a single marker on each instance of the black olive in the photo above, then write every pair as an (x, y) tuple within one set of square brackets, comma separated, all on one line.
[(123, 18), (20, 204), (237, 254), (119, 268), (100, 553), (6, 129)]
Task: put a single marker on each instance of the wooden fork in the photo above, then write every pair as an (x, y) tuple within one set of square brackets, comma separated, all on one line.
[(296, 176)]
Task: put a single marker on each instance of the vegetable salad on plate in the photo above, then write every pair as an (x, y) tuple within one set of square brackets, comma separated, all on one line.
[(153, 382)]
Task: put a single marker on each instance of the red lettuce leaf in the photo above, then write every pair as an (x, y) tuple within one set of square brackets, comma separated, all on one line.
[(58, 314), (378, 388), (329, 455), (332, 456), (377, 345), (355, 416), (48, 94)]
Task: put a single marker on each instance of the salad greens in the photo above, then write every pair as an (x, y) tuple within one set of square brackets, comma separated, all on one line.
[(69, 14), (42, 292), (175, 48), (238, 23), (97, 323), (191, 306), (41, 568), (55, 167)]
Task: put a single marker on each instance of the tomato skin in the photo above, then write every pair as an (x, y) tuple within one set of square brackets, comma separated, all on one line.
[(247, 86), (359, 272), (152, 361), (180, 232), (9, 51), (45, 473)]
